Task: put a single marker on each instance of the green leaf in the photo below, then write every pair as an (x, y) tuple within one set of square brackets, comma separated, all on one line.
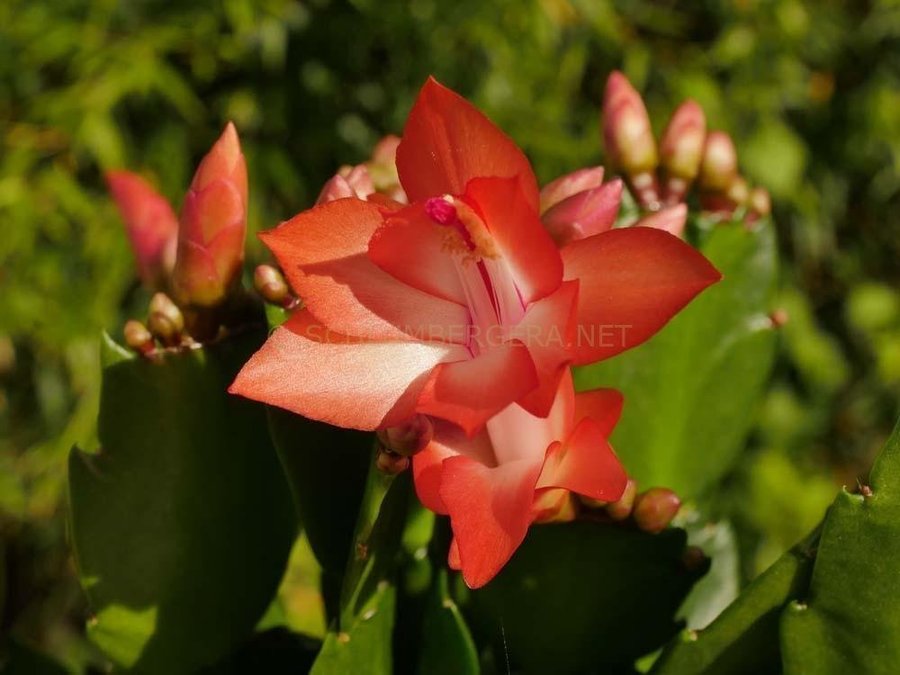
[(182, 523), (850, 620), (583, 597), (326, 468), (276, 651), (360, 642), (447, 646), (691, 391), (744, 638)]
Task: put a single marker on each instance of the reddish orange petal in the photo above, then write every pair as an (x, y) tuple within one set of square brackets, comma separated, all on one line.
[(633, 281), (490, 511), (470, 392), (447, 142), (150, 222), (448, 441), (585, 464), (519, 235), (414, 249), (349, 382), (324, 254), (548, 330), (602, 406)]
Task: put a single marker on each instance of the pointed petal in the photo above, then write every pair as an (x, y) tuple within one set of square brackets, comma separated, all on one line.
[(324, 254), (585, 464), (349, 382), (490, 511), (548, 330), (453, 561), (224, 161), (633, 280), (671, 219), (602, 406), (411, 247), (448, 441), (584, 214), (570, 184), (470, 392), (150, 222), (519, 235), (447, 142)]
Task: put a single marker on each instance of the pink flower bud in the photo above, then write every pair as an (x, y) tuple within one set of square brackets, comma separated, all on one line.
[(138, 338), (626, 127), (407, 439), (347, 182), (621, 509), (165, 319), (569, 184), (383, 169), (390, 462), (655, 509), (681, 147), (271, 286), (719, 166), (584, 214), (681, 150), (212, 225), (150, 223), (671, 219)]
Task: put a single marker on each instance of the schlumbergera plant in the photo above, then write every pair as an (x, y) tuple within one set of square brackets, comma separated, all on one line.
[(484, 404)]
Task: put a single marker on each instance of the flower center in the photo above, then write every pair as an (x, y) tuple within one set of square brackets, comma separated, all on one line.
[(493, 300)]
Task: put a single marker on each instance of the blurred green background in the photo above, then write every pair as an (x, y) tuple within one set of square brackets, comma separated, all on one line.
[(809, 89)]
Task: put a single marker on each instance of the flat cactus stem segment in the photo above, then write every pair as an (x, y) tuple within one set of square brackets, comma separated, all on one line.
[(744, 638), (849, 622)]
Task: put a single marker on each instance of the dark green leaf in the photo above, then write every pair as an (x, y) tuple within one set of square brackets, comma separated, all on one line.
[(326, 468), (691, 391), (182, 523), (850, 620), (447, 646), (744, 639), (361, 639), (583, 597)]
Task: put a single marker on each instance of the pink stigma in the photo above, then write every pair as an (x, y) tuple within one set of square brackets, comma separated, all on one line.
[(441, 211)]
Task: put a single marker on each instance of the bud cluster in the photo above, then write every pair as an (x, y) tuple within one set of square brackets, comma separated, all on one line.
[(651, 511), (688, 155), (376, 179)]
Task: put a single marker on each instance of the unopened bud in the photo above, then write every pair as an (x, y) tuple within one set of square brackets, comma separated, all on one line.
[(738, 193), (672, 220), (626, 127), (570, 184), (681, 147), (779, 317), (621, 508), (349, 181), (150, 223), (655, 509), (555, 506), (390, 462), (719, 166), (212, 225), (270, 284), (760, 202), (165, 319), (584, 214), (407, 439), (681, 150), (383, 168), (137, 337)]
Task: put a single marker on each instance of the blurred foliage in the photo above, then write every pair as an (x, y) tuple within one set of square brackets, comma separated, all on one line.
[(809, 89)]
